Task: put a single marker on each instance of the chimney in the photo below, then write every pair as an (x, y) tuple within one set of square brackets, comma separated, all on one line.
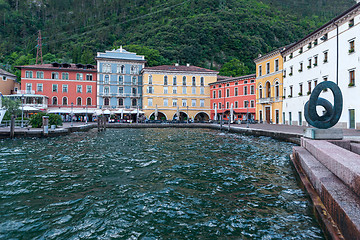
[(188, 64), (176, 64)]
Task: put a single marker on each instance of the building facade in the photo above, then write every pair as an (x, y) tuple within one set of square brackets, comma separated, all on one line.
[(8, 83), (235, 92), (269, 87), (173, 92), (119, 80), (65, 85), (331, 53)]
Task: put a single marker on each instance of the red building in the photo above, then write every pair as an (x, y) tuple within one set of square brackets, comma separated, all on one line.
[(239, 91), (64, 84)]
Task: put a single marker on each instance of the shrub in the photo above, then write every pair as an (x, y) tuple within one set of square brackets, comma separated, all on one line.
[(36, 120)]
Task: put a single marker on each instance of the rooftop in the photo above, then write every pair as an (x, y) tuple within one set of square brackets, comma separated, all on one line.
[(120, 54), (179, 68), (3, 72), (222, 79), (63, 66)]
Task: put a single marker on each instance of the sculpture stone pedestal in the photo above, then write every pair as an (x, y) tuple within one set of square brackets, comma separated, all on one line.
[(324, 134)]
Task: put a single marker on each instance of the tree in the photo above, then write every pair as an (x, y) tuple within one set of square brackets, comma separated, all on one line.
[(152, 56), (12, 107), (234, 68)]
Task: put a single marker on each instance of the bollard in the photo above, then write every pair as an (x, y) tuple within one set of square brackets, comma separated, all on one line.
[(45, 126), (98, 123), (105, 121), (12, 126)]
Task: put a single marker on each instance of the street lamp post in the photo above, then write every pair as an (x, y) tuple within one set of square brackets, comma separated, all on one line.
[(22, 111), (71, 115)]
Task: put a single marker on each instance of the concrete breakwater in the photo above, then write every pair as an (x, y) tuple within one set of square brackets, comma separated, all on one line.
[(330, 172), (254, 130)]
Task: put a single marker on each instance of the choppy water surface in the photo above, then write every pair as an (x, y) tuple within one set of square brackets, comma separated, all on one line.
[(151, 184)]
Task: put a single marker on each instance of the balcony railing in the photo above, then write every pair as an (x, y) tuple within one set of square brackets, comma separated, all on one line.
[(266, 100), (123, 95)]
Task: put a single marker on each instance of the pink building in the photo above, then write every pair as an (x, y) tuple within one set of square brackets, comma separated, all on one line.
[(64, 84)]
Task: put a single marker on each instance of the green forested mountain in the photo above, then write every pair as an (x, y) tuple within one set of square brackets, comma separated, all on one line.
[(206, 33)]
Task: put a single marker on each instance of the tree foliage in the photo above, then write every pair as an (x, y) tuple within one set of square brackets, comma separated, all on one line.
[(36, 120), (12, 106), (234, 68), (206, 33)]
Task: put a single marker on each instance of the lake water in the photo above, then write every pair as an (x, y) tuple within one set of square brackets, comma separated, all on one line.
[(151, 184)]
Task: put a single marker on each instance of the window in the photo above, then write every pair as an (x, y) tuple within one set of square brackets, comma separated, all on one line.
[(174, 90), (54, 87), (219, 105), (301, 67), (39, 87), (227, 92), (39, 74), (106, 90), (79, 76), (122, 69), (106, 101), (134, 102), (121, 90), (291, 71), (166, 102), (150, 90), (64, 101), (315, 61), (236, 83), (214, 94), (202, 103), (246, 104), (121, 80), (65, 76), (134, 80), (118, 68), (106, 80), (88, 101), (150, 102), (107, 68), (193, 102), (54, 101), (134, 91), (291, 91), (174, 81), (174, 102), (193, 81), (260, 71), (88, 89), (245, 90), (64, 88), (352, 78), (54, 75), (309, 65), (202, 83), (4, 78), (150, 79), (245, 82), (121, 101), (284, 92), (277, 91), (79, 88), (267, 68), (165, 90), (300, 89), (325, 57), (352, 46), (351, 23), (301, 50), (184, 80), (184, 102), (260, 92), (252, 104), (193, 90), (236, 104), (165, 80), (276, 65), (252, 89), (227, 105), (309, 87), (236, 91), (184, 90), (28, 74), (202, 90), (89, 77), (219, 94)]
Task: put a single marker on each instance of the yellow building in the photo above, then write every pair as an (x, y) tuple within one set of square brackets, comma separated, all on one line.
[(173, 92), (8, 83), (269, 87)]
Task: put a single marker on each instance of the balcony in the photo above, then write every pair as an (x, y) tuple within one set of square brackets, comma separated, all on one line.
[(266, 100)]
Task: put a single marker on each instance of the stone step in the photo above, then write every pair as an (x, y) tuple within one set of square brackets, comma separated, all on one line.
[(340, 201), (343, 163)]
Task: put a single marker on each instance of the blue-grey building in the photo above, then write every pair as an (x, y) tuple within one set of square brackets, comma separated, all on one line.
[(119, 82)]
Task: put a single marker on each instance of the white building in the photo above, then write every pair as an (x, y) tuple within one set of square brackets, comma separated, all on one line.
[(331, 53)]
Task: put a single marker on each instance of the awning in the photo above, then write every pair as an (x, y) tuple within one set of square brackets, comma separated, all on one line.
[(135, 112), (107, 111), (123, 111), (29, 109), (59, 111), (84, 111)]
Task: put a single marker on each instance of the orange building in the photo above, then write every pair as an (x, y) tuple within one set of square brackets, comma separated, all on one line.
[(8, 83)]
